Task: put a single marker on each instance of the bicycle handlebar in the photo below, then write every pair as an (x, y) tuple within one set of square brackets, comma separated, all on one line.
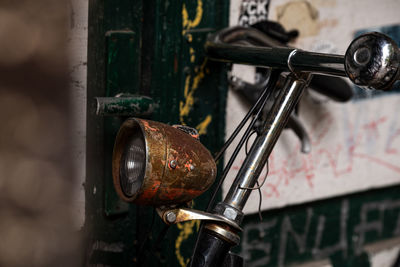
[(287, 59), (371, 61)]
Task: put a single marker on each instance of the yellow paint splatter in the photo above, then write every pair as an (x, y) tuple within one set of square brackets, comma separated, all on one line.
[(190, 24), (186, 105), (192, 55), (186, 230), (199, 75), (202, 127), (189, 37), (187, 85), (191, 84), (187, 24)]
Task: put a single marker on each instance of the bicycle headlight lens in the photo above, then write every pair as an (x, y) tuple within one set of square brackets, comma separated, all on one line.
[(133, 164)]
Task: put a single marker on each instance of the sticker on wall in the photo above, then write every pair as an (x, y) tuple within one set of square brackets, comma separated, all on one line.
[(253, 11), (393, 31)]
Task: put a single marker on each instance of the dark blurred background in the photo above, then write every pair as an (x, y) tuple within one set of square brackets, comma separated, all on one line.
[(36, 175)]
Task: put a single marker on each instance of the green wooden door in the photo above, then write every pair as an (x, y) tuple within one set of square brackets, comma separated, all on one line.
[(155, 49)]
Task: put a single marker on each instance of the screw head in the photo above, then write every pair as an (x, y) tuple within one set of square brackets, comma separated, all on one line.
[(170, 217), (172, 164), (230, 213)]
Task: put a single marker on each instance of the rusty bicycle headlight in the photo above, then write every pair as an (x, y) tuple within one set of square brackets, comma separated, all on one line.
[(157, 164)]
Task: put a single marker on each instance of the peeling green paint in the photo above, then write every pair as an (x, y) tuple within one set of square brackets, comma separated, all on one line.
[(135, 106)]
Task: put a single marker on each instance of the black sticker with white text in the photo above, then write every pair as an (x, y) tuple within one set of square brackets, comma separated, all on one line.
[(253, 11)]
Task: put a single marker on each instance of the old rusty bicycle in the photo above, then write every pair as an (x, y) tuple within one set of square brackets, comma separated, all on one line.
[(166, 166)]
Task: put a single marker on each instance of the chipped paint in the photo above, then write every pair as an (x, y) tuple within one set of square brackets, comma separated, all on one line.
[(202, 127), (151, 191), (137, 106), (188, 165), (195, 136), (108, 247), (147, 126)]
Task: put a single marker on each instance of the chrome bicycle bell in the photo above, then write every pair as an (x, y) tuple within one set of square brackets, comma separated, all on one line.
[(372, 61)]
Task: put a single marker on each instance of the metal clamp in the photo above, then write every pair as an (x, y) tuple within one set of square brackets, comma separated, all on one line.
[(289, 62), (174, 216)]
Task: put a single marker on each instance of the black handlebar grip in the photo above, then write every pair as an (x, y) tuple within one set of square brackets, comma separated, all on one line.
[(333, 87), (372, 61), (211, 251)]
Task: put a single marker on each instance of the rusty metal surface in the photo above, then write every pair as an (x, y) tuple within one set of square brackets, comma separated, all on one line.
[(192, 172)]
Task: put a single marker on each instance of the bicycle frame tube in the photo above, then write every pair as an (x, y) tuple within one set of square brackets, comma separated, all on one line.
[(263, 145), (220, 236)]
